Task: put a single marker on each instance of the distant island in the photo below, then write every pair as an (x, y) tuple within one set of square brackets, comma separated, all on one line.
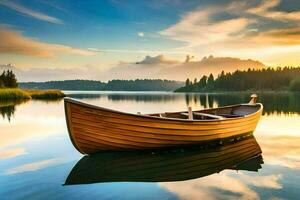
[(266, 79), (113, 85)]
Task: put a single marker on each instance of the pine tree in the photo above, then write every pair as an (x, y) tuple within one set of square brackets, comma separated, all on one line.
[(2, 80), (187, 82), (203, 82), (210, 80), (8, 79)]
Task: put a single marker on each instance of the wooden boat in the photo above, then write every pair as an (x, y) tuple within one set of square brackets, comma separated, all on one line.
[(93, 128), (165, 166)]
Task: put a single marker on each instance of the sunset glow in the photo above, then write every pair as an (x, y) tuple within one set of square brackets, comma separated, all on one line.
[(100, 40)]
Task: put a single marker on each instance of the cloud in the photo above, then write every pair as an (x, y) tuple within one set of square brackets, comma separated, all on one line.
[(140, 34), (198, 28), (162, 67), (136, 51), (288, 36), (160, 59), (264, 10), (14, 43), (26, 11), (247, 27), (150, 67), (48, 74)]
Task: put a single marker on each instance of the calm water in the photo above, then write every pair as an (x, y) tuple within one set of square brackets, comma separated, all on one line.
[(36, 155)]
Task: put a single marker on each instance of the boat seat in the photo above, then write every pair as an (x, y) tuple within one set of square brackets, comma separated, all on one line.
[(230, 115), (204, 115), (185, 114), (208, 115)]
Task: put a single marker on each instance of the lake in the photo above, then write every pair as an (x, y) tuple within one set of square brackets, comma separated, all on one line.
[(37, 156)]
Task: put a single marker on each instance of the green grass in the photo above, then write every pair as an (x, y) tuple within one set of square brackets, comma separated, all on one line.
[(7, 94), (13, 94), (46, 94)]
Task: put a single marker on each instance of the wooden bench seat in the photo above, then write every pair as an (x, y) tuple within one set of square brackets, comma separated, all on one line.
[(204, 115)]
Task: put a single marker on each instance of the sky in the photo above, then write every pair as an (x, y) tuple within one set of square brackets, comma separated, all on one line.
[(105, 39)]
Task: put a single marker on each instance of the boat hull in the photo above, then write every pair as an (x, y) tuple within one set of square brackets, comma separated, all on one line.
[(93, 129)]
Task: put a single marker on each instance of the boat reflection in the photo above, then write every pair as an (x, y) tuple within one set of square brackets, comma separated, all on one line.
[(167, 165)]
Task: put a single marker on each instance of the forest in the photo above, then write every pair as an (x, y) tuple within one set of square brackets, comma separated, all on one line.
[(113, 85), (267, 79)]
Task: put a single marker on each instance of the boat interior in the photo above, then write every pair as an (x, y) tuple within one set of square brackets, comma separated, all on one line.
[(214, 113)]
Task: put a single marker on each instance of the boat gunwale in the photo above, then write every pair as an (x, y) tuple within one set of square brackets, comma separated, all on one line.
[(83, 104)]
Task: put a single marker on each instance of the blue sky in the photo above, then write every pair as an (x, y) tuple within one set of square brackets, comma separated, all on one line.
[(100, 24), (67, 34)]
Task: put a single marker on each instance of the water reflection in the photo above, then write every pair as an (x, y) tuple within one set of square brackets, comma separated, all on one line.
[(274, 103), (284, 103), (8, 108), (166, 166), (36, 154)]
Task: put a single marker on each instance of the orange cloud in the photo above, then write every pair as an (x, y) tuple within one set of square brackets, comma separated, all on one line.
[(264, 10), (249, 32), (288, 36), (158, 67), (14, 43), (160, 59), (197, 28)]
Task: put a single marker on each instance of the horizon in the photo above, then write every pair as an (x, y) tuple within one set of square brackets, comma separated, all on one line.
[(162, 79), (57, 40)]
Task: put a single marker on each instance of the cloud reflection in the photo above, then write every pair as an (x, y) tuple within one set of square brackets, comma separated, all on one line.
[(11, 153), (210, 187), (223, 186), (32, 166)]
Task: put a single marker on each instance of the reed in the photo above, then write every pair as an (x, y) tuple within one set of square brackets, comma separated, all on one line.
[(45, 94), (8, 94), (13, 94)]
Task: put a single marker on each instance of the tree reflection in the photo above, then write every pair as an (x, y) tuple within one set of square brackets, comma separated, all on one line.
[(8, 108), (274, 103)]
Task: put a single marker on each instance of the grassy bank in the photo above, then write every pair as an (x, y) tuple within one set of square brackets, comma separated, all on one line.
[(45, 94), (19, 94)]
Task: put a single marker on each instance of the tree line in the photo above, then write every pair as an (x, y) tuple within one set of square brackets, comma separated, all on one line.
[(113, 85), (287, 78), (8, 79)]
